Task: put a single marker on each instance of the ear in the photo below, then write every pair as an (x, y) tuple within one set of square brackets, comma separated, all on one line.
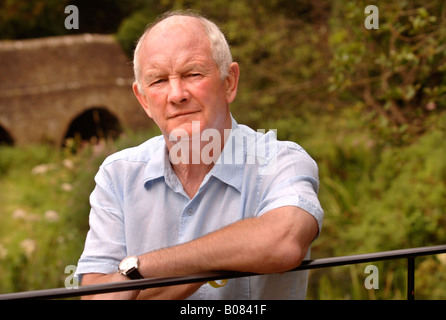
[(232, 81), (142, 99)]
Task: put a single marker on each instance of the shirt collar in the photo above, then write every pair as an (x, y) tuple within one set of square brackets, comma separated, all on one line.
[(230, 165), (227, 168), (156, 166)]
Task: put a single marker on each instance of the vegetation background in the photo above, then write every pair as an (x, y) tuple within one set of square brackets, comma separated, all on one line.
[(368, 105)]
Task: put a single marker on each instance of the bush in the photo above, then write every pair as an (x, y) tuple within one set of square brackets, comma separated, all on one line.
[(376, 198), (397, 70), (44, 192)]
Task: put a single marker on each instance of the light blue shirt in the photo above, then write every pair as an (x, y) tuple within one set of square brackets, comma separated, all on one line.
[(139, 205)]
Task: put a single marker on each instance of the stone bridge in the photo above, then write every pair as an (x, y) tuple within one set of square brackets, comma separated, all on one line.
[(59, 87)]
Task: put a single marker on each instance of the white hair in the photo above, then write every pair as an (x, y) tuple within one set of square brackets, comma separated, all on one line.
[(219, 46)]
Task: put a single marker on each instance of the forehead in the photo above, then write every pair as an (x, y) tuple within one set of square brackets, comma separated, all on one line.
[(173, 38), (176, 23)]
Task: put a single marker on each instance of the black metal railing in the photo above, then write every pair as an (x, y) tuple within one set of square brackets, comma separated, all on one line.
[(409, 254)]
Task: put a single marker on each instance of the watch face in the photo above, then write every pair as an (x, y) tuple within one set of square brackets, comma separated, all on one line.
[(128, 263)]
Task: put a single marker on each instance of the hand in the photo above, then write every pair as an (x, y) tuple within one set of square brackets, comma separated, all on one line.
[(96, 278), (179, 292)]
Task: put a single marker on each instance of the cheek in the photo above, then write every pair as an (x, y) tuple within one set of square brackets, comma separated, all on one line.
[(155, 101), (211, 93), (154, 95)]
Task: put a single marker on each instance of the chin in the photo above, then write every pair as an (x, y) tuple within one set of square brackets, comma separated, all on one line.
[(188, 129)]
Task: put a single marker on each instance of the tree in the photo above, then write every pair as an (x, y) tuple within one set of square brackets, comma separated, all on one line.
[(30, 19), (280, 46), (396, 70), (42, 18)]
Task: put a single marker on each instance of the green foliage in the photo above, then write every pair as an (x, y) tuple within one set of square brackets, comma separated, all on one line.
[(44, 194), (377, 198), (34, 18), (281, 71), (368, 105), (42, 18), (130, 30), (35, 239), (397, 70)]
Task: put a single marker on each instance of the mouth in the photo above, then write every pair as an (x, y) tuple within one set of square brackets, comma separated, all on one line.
[(182, 114)]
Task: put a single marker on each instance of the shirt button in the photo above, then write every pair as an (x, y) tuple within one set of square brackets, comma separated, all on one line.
[(190, 211)]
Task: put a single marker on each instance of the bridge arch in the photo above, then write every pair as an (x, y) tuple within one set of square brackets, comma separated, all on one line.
[(5, 137), (95, 122)]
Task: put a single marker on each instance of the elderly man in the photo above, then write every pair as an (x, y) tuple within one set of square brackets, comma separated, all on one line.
[(157, 213)]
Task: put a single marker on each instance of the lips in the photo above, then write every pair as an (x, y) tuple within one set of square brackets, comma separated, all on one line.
[(184, 113)]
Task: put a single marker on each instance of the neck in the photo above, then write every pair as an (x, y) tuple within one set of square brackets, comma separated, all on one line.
[(192, 159), (191, 176)]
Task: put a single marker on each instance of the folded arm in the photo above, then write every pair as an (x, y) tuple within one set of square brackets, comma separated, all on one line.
[(275, 242)]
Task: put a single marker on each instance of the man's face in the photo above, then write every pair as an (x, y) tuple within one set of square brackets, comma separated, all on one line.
[(181, 80)]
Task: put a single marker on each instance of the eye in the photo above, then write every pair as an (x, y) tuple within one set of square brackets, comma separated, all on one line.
[(194, 75), (158, 81)]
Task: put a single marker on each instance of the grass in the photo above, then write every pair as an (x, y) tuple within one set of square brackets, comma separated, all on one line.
[(44, 209), (376, 197)]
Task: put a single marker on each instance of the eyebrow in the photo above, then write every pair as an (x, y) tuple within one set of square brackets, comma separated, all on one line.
[(196, 66), (149, 76), (154, 73)]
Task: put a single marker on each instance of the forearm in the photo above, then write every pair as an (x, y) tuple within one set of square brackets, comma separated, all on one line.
[(179, 292), (220, 250), (275, 242), (268, 244), (163, 293)]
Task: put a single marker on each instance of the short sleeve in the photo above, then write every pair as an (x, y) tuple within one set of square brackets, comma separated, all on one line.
[(292, 180), (105, 244)]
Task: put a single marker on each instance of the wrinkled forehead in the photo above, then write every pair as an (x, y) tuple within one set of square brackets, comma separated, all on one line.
[(177, 28), (172, 35)]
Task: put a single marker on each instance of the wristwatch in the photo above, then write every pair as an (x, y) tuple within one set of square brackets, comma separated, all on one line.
[(129, 267)]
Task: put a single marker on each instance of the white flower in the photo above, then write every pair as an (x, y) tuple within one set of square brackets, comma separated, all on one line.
[(23, 215), (19, 214), (66, 187), (442, 258), (69, 164), (3, 252), (42, 168), (29, 246), (51, 215)]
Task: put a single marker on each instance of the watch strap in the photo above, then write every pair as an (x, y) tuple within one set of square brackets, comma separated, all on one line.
[(134, 275)]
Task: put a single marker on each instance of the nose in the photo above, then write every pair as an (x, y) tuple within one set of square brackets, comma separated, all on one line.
[(177, 91)]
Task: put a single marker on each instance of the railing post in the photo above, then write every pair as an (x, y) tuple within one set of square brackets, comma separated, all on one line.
[(410, 278)]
